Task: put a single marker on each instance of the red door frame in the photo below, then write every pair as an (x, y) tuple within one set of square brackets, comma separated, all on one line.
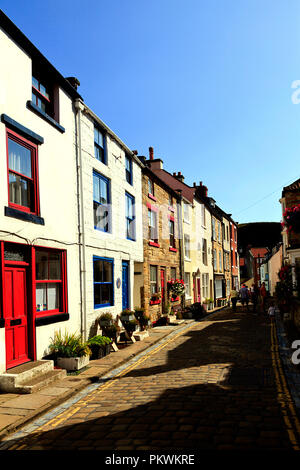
[(30, 294)]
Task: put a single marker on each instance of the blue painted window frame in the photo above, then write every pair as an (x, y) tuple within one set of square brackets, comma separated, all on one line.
[(98, 202), (130, 219), (111, 261), (98, 148), (128, 169)]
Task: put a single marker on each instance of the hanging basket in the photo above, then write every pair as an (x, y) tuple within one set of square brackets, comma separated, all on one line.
[(291, 219)]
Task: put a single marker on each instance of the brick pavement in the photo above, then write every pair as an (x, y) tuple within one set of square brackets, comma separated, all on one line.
[(212, 387)]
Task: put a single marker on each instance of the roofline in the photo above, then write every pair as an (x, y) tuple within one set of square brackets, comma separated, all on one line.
[(16, 34), (96, 118)]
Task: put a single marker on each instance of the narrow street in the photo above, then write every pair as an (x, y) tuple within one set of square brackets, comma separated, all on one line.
[(217, 385)]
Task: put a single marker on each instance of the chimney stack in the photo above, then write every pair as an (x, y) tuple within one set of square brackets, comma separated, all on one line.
[(201, 189), (151, 153), (179, 176), (74, 82)]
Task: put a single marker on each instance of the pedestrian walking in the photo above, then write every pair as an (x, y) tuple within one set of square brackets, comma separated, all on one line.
[(234, 297), (263, 297), (254, 297), (244, 294), (271, 310)]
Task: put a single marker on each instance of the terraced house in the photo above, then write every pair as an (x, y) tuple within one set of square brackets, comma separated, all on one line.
[(110, 209), (39, 246), (162, 243)]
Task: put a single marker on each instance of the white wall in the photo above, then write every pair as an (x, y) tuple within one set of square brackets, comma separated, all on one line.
[(57, 179), (113, 244)]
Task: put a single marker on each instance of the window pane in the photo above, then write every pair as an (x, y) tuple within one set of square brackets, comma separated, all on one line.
[(54, 266), (35, 83), (101, 217), (19, 158), (98, 270), (98, 137), (96, 188), (103, 294), (107, 271), (99, 153), (153, 273), (41, 297), (53, 296), (41, 265), (20, 191)]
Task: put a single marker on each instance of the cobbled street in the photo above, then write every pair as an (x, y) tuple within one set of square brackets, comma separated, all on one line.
[(211, 387)]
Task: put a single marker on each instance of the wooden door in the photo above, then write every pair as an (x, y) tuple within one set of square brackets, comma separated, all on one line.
[(198, 290), (125, 285), (15, 316)]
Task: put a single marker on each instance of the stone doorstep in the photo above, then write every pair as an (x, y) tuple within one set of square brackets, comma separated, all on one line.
[(30, 377)]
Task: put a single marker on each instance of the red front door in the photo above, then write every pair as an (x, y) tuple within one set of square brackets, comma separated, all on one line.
[(198, 290), (15, 316)]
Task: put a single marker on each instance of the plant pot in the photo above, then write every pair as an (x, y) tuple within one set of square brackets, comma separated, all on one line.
[(127, 317), (105, 323), (73, 363), (172, 318)]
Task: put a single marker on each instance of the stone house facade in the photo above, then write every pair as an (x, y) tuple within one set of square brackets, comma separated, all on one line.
[(162, 247)]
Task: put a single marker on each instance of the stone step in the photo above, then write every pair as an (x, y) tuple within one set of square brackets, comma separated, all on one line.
[(29, 377), (39, 382)]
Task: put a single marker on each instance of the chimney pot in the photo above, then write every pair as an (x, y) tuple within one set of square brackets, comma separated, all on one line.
[(151, 153), (74, 82)]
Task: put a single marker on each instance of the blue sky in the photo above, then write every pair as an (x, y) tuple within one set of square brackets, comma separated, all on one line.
[(207, 83)]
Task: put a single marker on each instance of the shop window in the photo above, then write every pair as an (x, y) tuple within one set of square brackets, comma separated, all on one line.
[(50, 269), (103, 282)]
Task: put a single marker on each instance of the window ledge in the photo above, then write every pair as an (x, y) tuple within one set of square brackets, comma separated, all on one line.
[(157, 245), (187, 259), (45, 116), (152, 197), (155, 302), (25, 216), (173, 249), (47, 320), (171, 209)]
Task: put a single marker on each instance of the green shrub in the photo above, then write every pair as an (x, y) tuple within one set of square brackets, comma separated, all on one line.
[(68, 345)]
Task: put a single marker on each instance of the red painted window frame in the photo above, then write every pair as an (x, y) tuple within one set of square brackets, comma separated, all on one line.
[(34, 168), (63, 282)]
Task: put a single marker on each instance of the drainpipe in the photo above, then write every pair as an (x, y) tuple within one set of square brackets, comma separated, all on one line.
[(81, 232)]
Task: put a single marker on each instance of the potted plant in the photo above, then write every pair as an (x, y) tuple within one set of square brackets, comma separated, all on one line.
[(142, 319), (105, 319), (69, 351), (155, 298), (99, 346), (111, 331), (131, 325), (127, 315), (211, 303), (205, 304), (176, 287)]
